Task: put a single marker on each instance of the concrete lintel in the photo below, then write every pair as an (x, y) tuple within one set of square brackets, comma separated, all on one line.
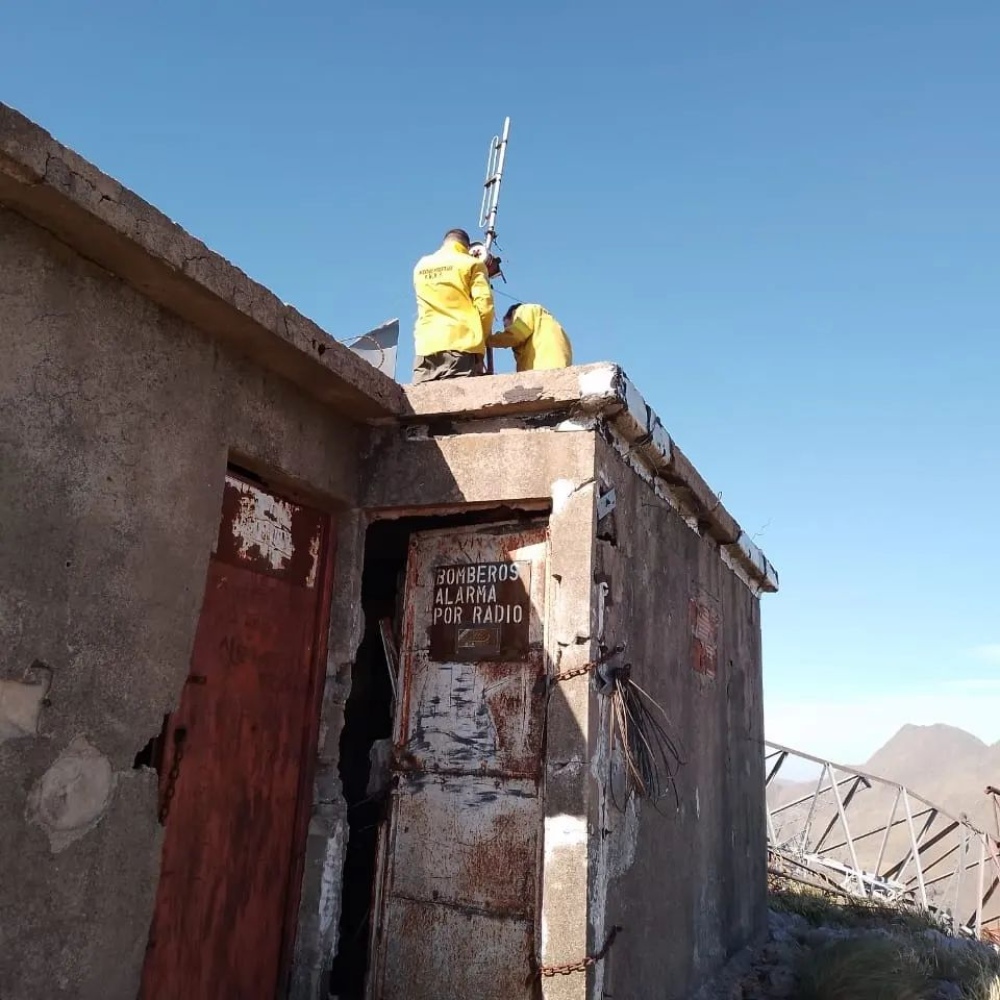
[(103, 221)]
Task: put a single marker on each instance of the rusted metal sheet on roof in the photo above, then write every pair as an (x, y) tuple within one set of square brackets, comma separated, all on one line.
[(459, 894), (265, 534)]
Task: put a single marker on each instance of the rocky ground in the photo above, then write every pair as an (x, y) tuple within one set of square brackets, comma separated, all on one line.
[(822, 948)]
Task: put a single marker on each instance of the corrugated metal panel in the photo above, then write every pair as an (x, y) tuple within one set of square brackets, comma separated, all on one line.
[(459, 897)]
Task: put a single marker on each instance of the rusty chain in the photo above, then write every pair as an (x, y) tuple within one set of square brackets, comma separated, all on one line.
[(568, 968), (180, 733), (565, 675)]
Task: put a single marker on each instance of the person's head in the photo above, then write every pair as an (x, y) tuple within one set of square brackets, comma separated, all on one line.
[(508, 316), (457, 236)]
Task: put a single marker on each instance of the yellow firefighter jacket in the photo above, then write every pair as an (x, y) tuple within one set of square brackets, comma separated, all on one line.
[(454, 302), (537, 338)]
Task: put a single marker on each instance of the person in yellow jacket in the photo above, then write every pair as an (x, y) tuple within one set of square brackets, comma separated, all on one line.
[(454, 311), (538, 340)]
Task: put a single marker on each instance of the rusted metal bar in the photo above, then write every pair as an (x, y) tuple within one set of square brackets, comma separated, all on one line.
[(782, 757)]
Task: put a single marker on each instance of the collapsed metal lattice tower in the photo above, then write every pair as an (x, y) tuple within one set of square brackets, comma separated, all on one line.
[(871, 838)]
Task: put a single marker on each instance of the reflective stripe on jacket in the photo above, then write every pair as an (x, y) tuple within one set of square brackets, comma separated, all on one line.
[(454, 302), (538, 340)]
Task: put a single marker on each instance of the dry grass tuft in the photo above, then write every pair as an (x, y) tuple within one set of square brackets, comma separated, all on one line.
[(888, 955), (866, 968), (824, 910)]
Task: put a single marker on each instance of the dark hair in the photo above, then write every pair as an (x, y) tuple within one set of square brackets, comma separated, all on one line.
[(459, 236), (510, 312)]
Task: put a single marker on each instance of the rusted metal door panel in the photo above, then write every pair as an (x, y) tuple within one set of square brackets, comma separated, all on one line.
[(237, 755), (458, 897), (462, 717), (435, 809), (471, 956)]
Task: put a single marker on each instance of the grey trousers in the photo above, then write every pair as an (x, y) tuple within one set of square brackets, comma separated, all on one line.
[(446, 364)]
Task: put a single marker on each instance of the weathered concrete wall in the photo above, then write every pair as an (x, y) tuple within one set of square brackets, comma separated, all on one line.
[(474, 463), (116, 422), (687, 884)]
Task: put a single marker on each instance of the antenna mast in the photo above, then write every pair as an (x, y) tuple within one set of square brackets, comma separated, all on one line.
[(488, 208), (491, 187)]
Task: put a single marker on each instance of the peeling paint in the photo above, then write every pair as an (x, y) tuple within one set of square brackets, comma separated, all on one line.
[(264, 523), (313, 561), (600, 383), (269, 535)]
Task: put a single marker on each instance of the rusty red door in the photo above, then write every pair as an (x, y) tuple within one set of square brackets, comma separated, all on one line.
[(458, 897), (237, 756)]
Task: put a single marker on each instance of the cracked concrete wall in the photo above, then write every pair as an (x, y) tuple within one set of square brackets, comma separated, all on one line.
[(326, 844), (116, 422), (687, 884)]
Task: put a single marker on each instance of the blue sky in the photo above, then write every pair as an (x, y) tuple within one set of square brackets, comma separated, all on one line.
[(781, 218)]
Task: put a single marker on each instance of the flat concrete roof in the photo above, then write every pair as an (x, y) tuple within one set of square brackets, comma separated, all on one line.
[(108, 224), (598, 391)]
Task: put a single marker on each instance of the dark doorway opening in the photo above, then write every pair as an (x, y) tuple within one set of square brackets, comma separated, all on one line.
[(368, 719)]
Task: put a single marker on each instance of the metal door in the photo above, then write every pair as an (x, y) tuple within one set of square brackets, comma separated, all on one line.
[(237, 756), (458, 900)]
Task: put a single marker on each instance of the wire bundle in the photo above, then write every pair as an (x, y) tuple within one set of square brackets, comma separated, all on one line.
[(650, 757)]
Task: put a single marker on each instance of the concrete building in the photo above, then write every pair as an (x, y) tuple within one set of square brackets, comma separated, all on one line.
[(308, 680)]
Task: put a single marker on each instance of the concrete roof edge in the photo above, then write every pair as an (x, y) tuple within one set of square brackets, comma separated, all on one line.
[(607, 391), (523, 394), (108, 224), (601, 392)]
